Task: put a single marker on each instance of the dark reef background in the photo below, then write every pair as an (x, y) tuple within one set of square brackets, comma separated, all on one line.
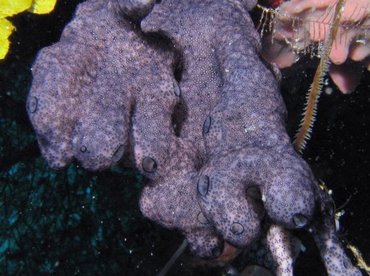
[(77, 222)]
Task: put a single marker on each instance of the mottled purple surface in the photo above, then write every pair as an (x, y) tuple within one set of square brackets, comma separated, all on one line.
[(186, 97), (244, 130), (88, 98)]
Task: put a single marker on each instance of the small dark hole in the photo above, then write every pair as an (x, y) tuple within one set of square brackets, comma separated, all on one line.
[(178, 117)]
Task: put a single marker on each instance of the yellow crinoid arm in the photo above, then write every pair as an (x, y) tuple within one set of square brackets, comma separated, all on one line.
[(12, 7), (6, 28), (42, 6), (9, 8)]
